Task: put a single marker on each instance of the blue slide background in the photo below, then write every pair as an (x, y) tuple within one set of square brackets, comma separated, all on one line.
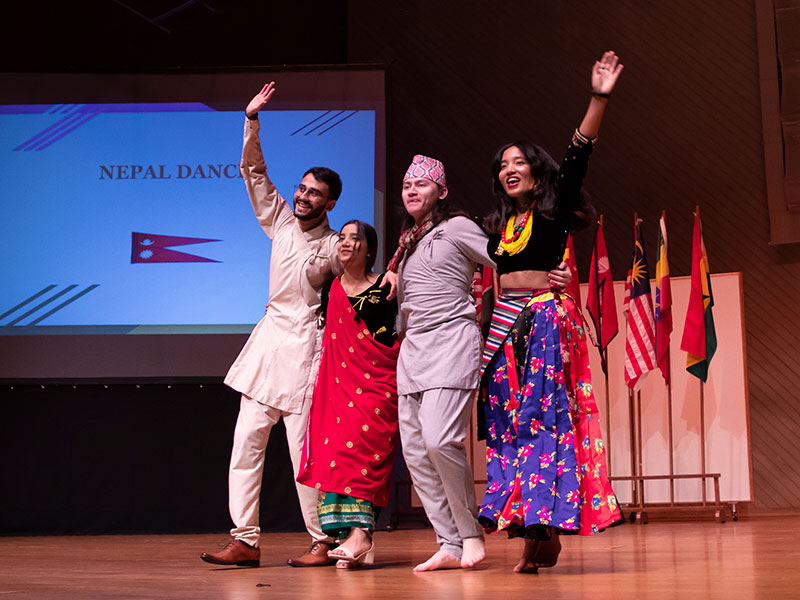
[(63, 225)]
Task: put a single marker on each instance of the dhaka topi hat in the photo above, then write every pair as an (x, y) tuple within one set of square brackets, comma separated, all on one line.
[(426, 168)]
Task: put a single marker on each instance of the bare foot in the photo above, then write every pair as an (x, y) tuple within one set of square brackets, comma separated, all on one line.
[(527, 563), (441, 560), (548, 550), (357, 543), (474, 552)]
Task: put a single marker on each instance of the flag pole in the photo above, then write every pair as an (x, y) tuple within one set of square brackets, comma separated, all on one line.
[(608, 403), (669, 409), (634, 473), (702, 413), (638, 398), (632, 413), (639, 442), (671, 442)]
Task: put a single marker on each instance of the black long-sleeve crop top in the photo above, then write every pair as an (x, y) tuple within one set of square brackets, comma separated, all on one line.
[(545, 248)]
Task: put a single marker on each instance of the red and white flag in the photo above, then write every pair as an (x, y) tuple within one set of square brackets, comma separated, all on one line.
[(640, 338), (601, 304)]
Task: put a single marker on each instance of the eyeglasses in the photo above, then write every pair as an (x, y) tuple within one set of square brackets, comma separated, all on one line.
[(312, 193)]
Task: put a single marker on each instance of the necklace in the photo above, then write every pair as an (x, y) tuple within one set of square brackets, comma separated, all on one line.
[(514, 239), (354, 287)]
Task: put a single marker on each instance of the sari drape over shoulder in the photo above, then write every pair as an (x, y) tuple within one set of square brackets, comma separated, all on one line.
[(352, 434)]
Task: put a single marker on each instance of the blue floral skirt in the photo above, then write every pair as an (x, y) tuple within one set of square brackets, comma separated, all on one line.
[(532, 479)]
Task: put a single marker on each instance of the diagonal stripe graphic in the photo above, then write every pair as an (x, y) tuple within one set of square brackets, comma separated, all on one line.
[(338, 122), (65, 303), (70, 109), (47, 132), (14, 309), (312, 130), (80, 123), (327, 112), (66, 290)]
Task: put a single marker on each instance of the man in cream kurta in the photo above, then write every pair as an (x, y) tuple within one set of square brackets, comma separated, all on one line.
[(275, 370)]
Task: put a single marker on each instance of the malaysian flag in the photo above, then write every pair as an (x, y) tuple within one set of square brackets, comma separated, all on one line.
[(640, 339)]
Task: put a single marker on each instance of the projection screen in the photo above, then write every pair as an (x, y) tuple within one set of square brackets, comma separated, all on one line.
[(129, 249)]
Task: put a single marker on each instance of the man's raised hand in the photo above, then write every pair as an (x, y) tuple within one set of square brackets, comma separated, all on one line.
[(260, 99)]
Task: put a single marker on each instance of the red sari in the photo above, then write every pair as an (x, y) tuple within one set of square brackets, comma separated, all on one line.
[(352, 434)]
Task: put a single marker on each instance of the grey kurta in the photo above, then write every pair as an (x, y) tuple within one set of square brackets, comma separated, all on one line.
[(442, 345)]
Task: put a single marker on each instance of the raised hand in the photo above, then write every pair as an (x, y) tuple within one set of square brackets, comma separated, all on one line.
[(605, 72), (260, 99)]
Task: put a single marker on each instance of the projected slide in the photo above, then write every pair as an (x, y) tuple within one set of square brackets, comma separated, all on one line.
[(133, 218)]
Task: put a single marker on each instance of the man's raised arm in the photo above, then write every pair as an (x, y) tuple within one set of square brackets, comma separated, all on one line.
[(267, 202)]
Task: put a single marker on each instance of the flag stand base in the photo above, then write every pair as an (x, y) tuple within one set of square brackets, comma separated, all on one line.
[(638, 509)]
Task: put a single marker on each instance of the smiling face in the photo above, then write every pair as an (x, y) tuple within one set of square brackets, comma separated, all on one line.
[(515, 173), (420, 196), (311, 199), (352, 249)]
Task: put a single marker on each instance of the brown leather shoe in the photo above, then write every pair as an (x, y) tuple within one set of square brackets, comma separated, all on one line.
[(315, 556), (236, 553)]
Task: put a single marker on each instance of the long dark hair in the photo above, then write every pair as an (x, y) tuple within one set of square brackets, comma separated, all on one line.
[(543, 197), (367, 233)]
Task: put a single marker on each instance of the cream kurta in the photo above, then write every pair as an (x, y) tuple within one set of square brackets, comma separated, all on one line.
[(279, 362)]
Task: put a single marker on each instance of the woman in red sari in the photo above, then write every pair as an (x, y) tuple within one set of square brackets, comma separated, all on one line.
[(352, 433)]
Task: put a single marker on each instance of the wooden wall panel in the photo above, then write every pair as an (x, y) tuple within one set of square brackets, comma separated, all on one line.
[(682, 129)]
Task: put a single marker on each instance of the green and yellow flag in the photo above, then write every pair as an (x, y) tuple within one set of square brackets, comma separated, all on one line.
[(699, 335)]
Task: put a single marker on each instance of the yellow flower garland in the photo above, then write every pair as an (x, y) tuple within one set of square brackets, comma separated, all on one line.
[(511, 244)]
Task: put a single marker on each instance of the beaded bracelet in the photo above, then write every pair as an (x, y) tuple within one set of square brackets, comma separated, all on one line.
[(580, 139)]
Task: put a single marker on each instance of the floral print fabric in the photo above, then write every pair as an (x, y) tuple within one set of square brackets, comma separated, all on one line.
[(545, 455), (598, 503), (532, 476)]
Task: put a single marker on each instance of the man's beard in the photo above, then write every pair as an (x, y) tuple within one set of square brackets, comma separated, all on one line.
[(313, 214)]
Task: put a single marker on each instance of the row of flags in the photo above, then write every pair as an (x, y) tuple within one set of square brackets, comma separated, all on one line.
[(649, 324)]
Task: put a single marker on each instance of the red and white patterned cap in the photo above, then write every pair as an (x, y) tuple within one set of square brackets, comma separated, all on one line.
[(426, 168)]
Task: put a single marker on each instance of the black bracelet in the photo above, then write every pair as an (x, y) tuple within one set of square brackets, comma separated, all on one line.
[(602, 95), (253, 118)]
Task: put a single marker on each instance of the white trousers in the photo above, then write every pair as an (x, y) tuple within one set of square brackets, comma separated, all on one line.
[(433, 427), (247, 466)]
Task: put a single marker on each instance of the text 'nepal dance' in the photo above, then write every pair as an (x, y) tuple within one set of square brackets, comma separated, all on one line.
[(546, 465)]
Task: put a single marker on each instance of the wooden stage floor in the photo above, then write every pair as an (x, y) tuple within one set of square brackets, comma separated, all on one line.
[(753, 558)]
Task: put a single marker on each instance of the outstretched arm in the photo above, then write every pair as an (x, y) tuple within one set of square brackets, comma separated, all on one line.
[(267, 202), (604, 77), (259, 100)]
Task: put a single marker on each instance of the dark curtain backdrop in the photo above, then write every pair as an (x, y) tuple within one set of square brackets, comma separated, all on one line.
[(127, 459)]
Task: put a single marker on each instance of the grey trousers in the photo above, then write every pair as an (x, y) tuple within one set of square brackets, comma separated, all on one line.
[(433, 427)]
